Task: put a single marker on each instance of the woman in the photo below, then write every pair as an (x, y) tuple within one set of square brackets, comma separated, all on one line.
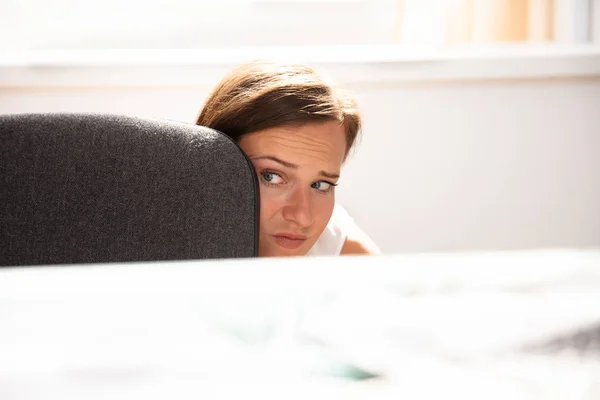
[(297, 131)]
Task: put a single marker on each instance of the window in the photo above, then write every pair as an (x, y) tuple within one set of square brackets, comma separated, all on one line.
[(117, 24), (161, 24), (449, 22)]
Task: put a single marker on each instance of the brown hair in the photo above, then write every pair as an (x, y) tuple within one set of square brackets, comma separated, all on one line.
[(262, 95)]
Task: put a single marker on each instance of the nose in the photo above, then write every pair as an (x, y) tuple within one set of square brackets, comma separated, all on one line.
[(299, 208)]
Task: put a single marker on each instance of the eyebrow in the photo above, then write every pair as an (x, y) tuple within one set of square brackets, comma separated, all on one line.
[(294, 166)]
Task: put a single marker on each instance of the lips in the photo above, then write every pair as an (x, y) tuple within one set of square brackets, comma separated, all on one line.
[(289, 240)]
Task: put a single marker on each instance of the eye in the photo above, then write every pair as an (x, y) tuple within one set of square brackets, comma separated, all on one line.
[(271, 178), (323, 186)]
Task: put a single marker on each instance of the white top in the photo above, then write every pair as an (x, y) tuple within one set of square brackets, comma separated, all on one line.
[(334, 236)]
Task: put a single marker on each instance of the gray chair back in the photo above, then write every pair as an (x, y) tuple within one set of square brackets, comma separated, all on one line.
[(90, 188)]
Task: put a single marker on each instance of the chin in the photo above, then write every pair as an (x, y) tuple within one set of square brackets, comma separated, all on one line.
[(273, 250), (269, 248), (282, 253)]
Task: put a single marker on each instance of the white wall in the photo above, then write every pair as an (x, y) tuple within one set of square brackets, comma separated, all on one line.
[(444, 165), (479, 166)]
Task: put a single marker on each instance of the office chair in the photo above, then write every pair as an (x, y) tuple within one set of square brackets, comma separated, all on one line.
[(96, 188)]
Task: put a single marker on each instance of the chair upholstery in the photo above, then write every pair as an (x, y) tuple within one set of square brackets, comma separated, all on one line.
[(91, 188)]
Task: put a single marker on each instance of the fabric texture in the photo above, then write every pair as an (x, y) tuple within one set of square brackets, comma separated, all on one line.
[(89, 188), (334, 236)]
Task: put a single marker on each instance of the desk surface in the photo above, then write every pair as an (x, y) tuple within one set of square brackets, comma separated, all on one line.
[(483, 325)]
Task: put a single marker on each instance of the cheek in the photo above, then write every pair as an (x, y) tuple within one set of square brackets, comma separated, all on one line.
[(323, 208), (269, 204)]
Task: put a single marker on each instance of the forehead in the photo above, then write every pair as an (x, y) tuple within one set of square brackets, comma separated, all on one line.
[(322, 143)]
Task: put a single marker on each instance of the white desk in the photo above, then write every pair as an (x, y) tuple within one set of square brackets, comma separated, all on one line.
[(427, 326)]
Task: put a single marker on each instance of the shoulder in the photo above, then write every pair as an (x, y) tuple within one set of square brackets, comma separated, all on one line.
[(343, 236), (359, 246), (356, 240)]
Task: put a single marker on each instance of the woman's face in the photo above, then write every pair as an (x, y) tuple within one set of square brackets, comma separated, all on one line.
[(298, 168)]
